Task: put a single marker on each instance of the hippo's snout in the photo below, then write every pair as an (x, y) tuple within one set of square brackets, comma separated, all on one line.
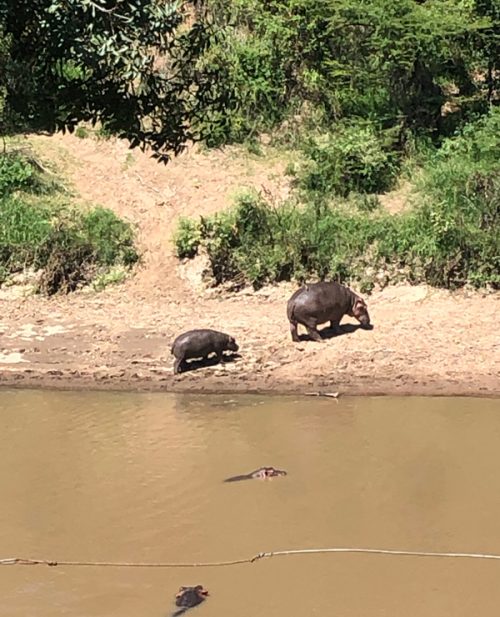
[(364, 319), (360, 312), (233, 346)]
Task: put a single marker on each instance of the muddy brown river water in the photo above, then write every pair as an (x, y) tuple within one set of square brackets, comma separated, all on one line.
[(139, 477)]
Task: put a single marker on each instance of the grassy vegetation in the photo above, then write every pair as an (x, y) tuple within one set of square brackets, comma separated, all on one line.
[(351, 86), (41, 230), (396, 64), (353, 157), (449, 238), (366, 94)]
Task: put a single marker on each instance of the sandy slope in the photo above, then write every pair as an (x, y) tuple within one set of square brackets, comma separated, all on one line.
[(424, 341)]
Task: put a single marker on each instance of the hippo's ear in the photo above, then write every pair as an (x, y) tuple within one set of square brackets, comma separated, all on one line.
[(201, 590)]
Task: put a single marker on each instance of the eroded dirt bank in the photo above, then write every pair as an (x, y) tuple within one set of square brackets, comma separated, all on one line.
[(424, 341)]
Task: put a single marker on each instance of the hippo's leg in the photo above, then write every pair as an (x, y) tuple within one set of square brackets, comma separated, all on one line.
[(335, 326), (314, 334), (177, 365), (293, 331), (218, 355)]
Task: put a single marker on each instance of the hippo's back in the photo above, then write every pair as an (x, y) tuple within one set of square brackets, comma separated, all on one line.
[(329, 293), (202, 342), (324, 301), (197, 343)]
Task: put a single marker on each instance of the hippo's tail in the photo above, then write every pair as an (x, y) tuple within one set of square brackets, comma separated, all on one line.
[(290, 307)]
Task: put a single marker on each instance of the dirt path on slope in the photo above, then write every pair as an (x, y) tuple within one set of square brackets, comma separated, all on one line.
[(424, 341)]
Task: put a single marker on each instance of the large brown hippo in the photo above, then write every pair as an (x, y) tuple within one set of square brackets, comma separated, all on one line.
[(200, 344), (316, 303), (187, 597), (261, 473)]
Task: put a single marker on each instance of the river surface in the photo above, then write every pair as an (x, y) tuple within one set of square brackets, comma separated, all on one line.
[(139, 478)]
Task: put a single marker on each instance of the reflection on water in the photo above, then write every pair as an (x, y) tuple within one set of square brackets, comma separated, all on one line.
[(139, 477)]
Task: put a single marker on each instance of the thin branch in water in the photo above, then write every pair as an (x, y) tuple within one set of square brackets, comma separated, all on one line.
[(334, 395)]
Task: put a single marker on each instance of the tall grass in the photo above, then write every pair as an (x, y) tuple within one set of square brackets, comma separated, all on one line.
[(40, 229), (459, 207)]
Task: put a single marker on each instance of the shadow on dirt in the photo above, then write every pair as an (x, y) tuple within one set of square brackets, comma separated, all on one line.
[(328, 333), (196, 364)]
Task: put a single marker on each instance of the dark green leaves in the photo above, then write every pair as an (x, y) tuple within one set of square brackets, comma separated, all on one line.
[(130, 64)]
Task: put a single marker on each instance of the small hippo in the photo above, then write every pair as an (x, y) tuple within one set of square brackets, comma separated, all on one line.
[(187, 597), (200, 344), (261, 473), (316, 303)]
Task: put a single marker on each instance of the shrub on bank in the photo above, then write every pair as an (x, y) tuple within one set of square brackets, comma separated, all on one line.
[(352, 158), (257, 243), (15, 173), (450, 238), (459, 207), (71, 247)]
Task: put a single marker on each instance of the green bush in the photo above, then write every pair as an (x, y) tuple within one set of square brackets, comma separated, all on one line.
[(111, 238), (16, 173), (258, 243), (22, 173), (81, 132), (70, 246), (67, 258), (187, 238), (396, 63), (459, 209), (364, 202), (251, 78), (450, 238), (350, 159), (23, 230)]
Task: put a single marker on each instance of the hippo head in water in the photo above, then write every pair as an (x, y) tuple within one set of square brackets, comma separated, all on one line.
[(268, 472), (187, 597), (360, 311), (261, 473)]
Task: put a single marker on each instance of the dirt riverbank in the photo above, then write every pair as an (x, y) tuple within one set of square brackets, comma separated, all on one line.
[(424, 341)]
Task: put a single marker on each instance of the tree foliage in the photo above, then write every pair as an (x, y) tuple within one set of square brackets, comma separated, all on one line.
[(396, 63), (161, 72), (130, 64)]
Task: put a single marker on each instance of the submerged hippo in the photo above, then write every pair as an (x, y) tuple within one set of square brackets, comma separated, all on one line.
[(261, 473), (200, 344), (316, 303), (187, 597)]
